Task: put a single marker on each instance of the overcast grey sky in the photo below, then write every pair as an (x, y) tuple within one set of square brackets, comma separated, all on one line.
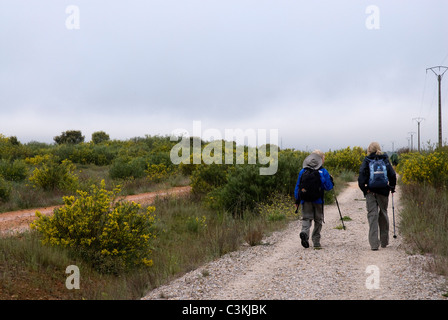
[(311, 69)]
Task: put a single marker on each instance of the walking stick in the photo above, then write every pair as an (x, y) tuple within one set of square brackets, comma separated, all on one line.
[(342, 220), (393, 214)]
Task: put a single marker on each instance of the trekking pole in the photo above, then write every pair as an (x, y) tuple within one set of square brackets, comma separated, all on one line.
[(337, 203), (393, 214)]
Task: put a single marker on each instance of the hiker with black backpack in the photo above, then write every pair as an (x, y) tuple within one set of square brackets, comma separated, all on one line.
[(313, 180), (376, 179)]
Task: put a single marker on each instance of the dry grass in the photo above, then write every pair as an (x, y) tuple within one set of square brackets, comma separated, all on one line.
[(424, 222)]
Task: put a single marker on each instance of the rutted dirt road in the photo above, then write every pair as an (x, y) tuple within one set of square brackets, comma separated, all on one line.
[(15, 221)]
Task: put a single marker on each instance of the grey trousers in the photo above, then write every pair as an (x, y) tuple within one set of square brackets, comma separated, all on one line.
[(378, 219), (312, 211)]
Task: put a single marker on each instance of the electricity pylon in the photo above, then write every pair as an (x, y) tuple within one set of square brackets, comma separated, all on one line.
[(439, 78), (412, 143), (418, 123)]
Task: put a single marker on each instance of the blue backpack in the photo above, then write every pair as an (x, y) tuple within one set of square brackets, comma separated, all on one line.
[(378, 174)]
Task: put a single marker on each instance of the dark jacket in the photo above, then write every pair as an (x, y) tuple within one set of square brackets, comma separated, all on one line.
[(364, 175)]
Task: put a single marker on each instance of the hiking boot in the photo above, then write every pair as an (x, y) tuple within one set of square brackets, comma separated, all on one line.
[(304, 239)]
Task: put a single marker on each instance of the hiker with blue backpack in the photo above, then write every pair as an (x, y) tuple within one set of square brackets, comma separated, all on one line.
[(376, 180), (313, 180)]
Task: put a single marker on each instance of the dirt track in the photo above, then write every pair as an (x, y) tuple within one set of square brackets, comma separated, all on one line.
[(346, 267), (16, 221)]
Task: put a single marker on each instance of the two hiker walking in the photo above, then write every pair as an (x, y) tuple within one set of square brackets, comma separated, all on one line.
[(376, 180)]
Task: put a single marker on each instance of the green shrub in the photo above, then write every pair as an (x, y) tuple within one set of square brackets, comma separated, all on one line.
[(242, 188), (105, 232), (69, 137), (245, 187), (87, 153), (289, 165), (51, 175), (99, 137), (126, 167), (160, 157), (11, 148), (5, 190), (208, 177), (16, 170)]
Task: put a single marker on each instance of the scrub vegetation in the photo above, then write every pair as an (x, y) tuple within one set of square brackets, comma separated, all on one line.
[(424, 220), (124, 249)]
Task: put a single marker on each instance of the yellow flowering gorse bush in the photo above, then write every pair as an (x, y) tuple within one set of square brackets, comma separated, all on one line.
[(51, 175), (157, 172), (94, 223), (431, 168), (345, 159), (38, 159)]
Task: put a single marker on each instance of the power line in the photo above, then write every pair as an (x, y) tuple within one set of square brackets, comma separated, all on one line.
[(443, 61), (423, 93)]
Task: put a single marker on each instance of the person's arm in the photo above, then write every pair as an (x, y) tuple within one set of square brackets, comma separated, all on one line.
[(296, 189), (363, 178), (326, 180)]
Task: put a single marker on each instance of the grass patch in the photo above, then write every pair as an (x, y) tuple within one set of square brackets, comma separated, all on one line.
[(29, 270), (341, 227), (424, 222)]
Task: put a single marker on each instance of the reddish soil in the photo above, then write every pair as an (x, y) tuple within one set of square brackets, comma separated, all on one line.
[(16, 221)]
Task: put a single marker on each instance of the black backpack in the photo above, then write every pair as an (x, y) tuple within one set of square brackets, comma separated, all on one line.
[(310, 185)]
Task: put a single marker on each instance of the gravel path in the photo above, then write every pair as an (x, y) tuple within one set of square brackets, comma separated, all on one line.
[(345, 268)]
